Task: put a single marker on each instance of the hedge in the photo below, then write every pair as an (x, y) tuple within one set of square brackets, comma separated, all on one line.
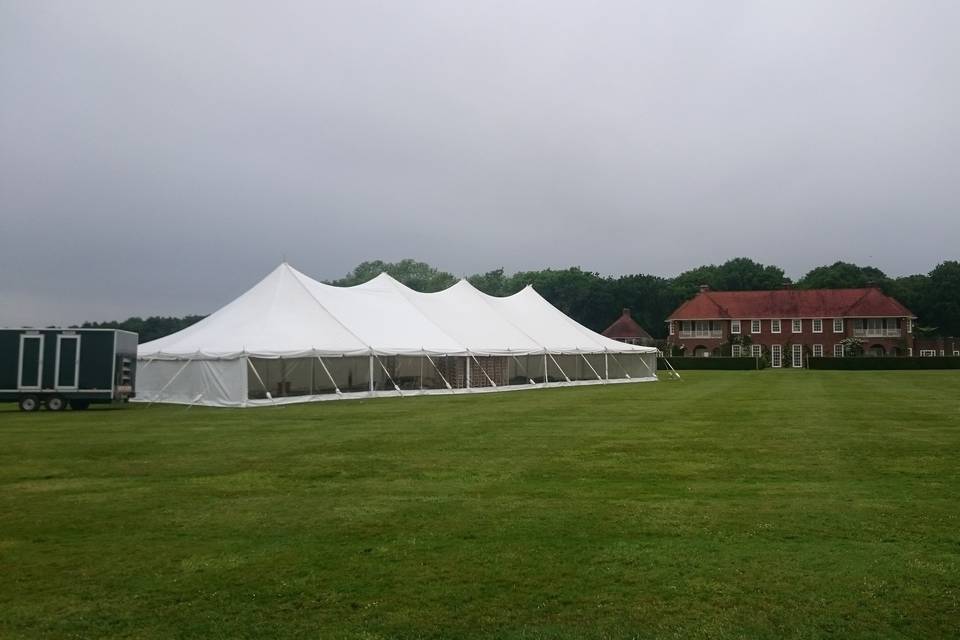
[(715, 363), (881, 362)]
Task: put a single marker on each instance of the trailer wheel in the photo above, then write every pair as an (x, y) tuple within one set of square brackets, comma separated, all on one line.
[(79, 405), (29, 403), (56, 403)]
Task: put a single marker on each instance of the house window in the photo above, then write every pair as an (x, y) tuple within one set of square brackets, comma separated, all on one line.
[(838, 351), (796, 360), (671, 328), (838, 325), (734, 326), (754, 326), (818, 351), (817, 325), (756, 350), (941, 353), (956, 353), (776, 356), (797, 326), (909, 325), (736, 351), (927, 353), (774, 326)]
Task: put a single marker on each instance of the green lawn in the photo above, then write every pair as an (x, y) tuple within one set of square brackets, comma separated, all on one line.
[(772, 504)]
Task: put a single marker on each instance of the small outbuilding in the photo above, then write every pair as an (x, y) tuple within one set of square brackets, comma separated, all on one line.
[(625, 329)]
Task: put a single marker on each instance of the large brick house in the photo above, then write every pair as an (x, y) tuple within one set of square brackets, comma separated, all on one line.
[(788, 325)]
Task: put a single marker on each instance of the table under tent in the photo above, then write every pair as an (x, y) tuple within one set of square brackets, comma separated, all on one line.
[(293, 339)]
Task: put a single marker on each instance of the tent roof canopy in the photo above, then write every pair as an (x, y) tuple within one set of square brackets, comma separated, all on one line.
[(289, 314)]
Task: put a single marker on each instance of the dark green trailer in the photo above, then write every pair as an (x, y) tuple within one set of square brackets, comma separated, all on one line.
[(57, 367)]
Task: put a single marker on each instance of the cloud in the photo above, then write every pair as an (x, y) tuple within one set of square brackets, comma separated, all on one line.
[(160, 157)]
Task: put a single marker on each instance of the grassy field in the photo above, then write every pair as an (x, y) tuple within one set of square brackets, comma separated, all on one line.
[(772, 504)]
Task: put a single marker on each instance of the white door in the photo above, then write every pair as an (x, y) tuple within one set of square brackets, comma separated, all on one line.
[(797, 356), (67, 362), (776, 356), (30, 363)]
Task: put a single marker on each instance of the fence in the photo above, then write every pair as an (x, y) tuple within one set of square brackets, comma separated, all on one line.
[(883, 362), (714, 363)]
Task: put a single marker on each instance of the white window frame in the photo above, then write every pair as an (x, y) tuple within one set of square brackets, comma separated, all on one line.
[(818, 351), (838, 350), (61, 337), (755, 326), (817, 325), (956, 352), (756, 351), (838, 325), (942, 353), (909, 325), (910, 351), (796, 325), (775, 326), (671, 327), (795, 362), (30, 387), (735, 326), (776, 356), (736, 351), (928, 353)]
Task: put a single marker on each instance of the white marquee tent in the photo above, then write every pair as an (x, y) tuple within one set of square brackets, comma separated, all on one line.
[(293, 339)]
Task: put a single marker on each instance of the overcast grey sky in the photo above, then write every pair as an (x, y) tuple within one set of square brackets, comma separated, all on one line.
[(160, 157)]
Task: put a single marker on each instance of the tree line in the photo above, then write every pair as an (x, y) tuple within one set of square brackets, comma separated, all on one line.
[(596, 301)]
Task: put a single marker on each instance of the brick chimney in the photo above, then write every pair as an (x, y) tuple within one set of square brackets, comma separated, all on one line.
[(626, 311), (704, 288), (786, 285)]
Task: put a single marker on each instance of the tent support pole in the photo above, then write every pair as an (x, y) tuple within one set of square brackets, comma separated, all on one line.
[(526, 373), (625, 372), (672, 369), (591, 367), (170, 382), (262, 383), (371, 374), (546, 378), (327, 371), (652, 373), (606, 366), (389, 377), (562, 372), (483, 371), (467, 359), (438, 372)]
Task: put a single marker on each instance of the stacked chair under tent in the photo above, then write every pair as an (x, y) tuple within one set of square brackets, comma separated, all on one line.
[(293, 339)]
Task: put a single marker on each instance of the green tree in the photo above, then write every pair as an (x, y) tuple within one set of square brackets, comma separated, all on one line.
[(582, 295), (842, 275), (150, 329), (738, 274), (942, 305), (494, 283), (419, 276)]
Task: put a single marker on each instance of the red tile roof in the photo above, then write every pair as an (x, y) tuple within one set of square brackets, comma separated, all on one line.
[(791, 303), (626, 327)]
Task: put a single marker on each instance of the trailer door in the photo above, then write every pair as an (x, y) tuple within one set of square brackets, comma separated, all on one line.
[(30, 363), (67, 362)]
